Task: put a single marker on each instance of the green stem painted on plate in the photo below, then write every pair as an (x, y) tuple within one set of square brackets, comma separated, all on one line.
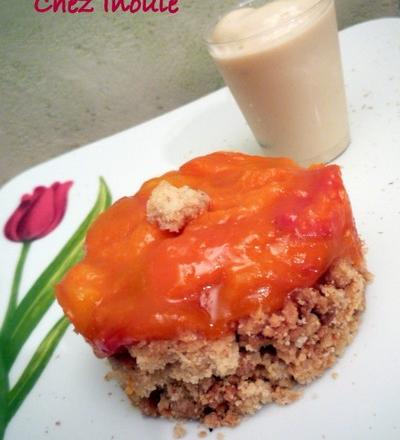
[(12, 302), (35, 368), (4, 387), (41, 295)]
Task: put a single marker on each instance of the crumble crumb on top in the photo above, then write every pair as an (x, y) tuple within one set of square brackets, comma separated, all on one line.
[(171, 208)]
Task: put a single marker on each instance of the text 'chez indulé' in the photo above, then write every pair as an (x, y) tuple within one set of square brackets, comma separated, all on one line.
[(88, 6)]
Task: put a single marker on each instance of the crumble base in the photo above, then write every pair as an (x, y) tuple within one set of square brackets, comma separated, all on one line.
[(267, 359)]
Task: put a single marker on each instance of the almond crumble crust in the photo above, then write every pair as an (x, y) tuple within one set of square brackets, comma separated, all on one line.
[(218, 382)]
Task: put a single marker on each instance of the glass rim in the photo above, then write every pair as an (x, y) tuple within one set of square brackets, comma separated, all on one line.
[(243, 4)]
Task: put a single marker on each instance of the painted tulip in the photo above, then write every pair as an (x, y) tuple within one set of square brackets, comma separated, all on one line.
[(38, 213)]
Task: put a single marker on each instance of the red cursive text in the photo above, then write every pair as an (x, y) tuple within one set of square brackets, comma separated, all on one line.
[(133, 6), (84, 6), (69, 6)]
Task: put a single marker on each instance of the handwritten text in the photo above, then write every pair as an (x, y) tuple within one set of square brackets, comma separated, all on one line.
[(87, 6)]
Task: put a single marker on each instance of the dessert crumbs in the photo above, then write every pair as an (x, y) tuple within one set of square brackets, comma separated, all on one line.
[(334, 375), (202, 434), (179, 431), (220, 436)]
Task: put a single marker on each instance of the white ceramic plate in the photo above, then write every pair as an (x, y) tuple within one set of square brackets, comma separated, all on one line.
[(71, 400)]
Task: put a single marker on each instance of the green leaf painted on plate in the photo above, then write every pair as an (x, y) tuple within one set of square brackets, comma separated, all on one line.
[(35, 367), (41, 295)]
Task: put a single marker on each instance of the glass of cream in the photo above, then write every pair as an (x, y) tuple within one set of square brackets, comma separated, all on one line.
[(281, 61)]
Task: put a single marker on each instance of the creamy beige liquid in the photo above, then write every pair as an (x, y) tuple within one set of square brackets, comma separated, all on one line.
[(282, 64)]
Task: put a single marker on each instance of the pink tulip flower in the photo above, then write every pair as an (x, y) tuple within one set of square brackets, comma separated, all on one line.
[(38, 213)]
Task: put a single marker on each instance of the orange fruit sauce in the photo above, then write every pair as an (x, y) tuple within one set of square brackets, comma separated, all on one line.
[(272, 227)]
